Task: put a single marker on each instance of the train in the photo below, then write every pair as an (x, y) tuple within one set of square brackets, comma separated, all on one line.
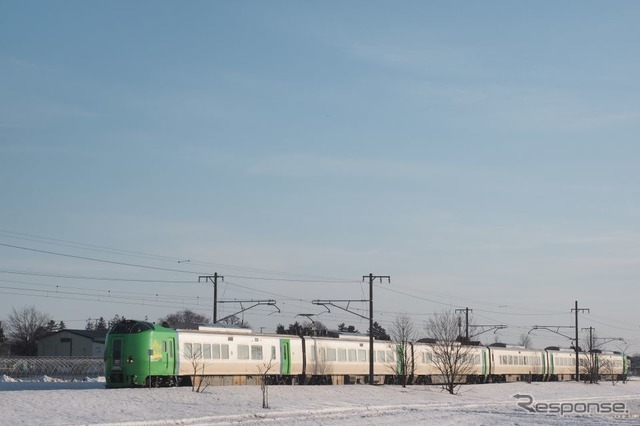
[(142, 353)]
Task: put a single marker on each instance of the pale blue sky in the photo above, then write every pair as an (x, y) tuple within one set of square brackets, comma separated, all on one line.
[(483, 154)]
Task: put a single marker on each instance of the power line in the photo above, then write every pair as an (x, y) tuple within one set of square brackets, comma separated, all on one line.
[(85, 277), (158, 268), (108, 291), (104, 249)]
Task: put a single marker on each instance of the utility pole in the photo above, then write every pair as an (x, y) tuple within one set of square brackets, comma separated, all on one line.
[(214, 279), (466, 321), (371, 351), (576, 310)]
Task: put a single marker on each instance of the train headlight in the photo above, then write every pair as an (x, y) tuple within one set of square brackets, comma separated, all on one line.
[(130, 360)]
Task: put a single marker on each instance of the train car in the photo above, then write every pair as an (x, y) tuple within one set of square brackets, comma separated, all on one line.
[(562, 363), (235, 355), (516, 363), (345, 359), (140, 353)]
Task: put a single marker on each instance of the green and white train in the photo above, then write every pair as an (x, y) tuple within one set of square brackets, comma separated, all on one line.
[(140, 353)]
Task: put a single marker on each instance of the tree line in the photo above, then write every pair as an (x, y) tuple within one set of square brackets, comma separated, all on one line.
[(20, 333)]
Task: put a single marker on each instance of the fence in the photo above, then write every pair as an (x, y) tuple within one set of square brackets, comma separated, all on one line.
[(57, 367)]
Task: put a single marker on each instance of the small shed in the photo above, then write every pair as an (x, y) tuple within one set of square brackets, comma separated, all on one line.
[(73, 343)]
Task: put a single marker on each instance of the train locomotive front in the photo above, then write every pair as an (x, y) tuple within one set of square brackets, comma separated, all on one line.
[(139, 353)]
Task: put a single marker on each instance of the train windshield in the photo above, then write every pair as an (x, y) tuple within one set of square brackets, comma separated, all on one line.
[(130, 326)]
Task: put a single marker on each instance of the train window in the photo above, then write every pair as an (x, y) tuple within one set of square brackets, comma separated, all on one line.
[(171, 349), (323, 356), (342, 355), (215, 351), (225, 351), (503, 359), (362, 355), (164, 347), (510, 362), (256, 352), (331, 354), (380, 356), (352, 355), (243, 351), (390, 356), (197, 350), (206, 351), (273, 352), (187, 350), (117, 350), (129, 326)]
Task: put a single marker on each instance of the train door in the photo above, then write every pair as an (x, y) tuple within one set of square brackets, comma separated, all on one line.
[(169, 355), (285, 357), (484, 364)]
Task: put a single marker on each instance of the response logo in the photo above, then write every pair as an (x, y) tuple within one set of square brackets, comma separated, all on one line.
[(527, 403)]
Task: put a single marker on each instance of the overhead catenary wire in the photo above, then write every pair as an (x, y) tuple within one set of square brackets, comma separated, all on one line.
[(152, 298)]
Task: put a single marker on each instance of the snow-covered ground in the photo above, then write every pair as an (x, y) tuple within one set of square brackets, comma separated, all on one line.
[(47, 402)]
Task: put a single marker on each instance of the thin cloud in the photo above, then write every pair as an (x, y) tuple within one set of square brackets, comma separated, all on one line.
[(312, 166)]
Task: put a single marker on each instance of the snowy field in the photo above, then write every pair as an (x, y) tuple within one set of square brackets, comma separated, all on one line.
[(73, 403)]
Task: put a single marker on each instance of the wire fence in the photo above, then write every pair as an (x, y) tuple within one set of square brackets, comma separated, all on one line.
[(56, 367)]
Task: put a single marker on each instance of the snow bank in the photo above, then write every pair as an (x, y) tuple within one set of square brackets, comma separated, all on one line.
[(5, 378), (54, 403)]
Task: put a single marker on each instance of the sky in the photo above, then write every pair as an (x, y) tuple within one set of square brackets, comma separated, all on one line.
[(481, 154)]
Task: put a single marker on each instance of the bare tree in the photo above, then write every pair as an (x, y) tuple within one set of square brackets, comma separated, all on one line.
[(589, 365), (24, 328), (525, 340), (264, 381), (193, 353), (115, 320), (314, 328), (452, 359), (404, 335), (608, 368), (235, 320), (182, 318)]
